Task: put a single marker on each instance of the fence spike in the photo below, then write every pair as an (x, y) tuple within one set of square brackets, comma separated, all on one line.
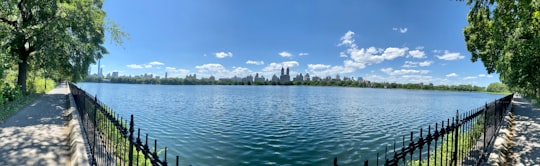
[(155, 147), (131, 131), (165, 159)]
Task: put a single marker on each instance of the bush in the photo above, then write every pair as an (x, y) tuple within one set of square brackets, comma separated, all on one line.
[(11, 94)]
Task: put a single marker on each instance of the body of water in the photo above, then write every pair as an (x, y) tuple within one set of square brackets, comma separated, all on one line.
[(279, 125)]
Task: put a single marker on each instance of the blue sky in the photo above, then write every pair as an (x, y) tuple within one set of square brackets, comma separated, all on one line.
[(379, 40)]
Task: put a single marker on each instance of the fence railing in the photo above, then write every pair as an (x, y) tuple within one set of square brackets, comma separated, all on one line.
[(463, 140), (111, 138)]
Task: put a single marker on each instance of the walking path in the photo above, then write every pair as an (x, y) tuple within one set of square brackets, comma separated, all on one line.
[(36, 134), (527, 137)]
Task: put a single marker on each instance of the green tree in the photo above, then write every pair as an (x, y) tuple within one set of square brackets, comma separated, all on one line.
[(497, 87), (505, 36), (55, 35)]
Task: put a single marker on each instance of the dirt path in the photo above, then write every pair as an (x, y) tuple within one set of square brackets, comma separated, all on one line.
[(36, 134), (527, 127)]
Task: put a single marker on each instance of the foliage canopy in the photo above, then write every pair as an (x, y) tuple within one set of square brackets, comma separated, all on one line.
[(60, 37), (505, 36)]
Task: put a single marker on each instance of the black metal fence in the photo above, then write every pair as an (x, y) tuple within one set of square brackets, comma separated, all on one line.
[(111, 138), (463, 140)]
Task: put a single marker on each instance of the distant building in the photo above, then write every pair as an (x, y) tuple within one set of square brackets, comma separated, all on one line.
[(146, 75), (165, 75), (194, 76), (248, 79), (100, 72), (115, 74), (284, 77), (259, 79), (275, 78), (298, 77), (337, 78), (306, 77)]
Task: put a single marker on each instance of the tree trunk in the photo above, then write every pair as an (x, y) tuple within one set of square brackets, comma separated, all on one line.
[(23, 63)]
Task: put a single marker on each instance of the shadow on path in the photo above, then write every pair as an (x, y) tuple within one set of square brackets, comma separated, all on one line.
[(527, 139), (36, 134)]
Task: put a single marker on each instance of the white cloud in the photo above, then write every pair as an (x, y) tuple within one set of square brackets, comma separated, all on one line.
[(387, 70), (391, 71), (410, 64), (276, 67), (367, 56), (149, 65), (343, 55), (417, 78), (469, 78), (303, 54), (223, 54), (418, 53), (156, 63), (240, 71), (219, 71), (285, 54), (350, 65), (134, 66), (359, 58), (425, 63), (449, 56), (452, 75), (400, 30), (210, 67), (331, 71), (317, 66), (391, 53), (413, 78), (174, 72), (347, 39), (485, 75), (250, 62)]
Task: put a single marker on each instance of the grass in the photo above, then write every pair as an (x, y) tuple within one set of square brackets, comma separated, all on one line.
[(11, 107), (118, 144), (444, 152)]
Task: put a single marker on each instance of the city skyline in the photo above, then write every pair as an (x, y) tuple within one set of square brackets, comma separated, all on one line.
[(404, 42)]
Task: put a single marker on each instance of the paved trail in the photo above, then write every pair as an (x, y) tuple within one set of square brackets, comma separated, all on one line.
[(527, 139), (36, 134)]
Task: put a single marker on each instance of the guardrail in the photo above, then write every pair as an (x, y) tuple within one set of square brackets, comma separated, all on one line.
[(111, 138), (462, 140)]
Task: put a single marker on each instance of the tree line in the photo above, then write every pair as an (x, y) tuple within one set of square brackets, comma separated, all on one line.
[(338, 83)]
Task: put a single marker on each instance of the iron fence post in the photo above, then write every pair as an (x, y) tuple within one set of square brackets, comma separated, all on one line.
[(95, 127), (131, 130), (456, 140), (485, 130)]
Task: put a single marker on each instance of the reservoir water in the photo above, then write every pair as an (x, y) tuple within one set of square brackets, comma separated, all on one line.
[(279, 125)]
